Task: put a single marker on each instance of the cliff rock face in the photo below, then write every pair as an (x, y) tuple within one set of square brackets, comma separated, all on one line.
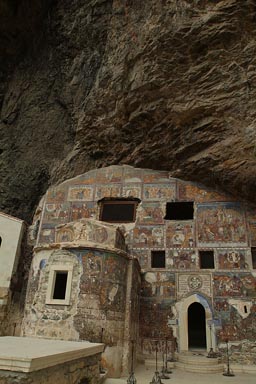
[(164, 84)]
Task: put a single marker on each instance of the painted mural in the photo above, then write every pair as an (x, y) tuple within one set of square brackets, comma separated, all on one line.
[(150, 213), (160, 284), (180, 235), (71, 213), (182, 259), (82, 210), (232, 259), (222, 223), (80, 193), (234, 285), (148, 236), (193, 192), (142, 256), (159, 192)]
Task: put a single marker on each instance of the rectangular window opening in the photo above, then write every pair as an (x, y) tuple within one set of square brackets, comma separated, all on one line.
[(157, 259), (206, 259), (60, 285), (180, 210), (118, 211), (253, 250)]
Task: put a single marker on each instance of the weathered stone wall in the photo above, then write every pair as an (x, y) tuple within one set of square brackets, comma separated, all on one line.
[(82, 371), (100, 303), (44, 320)]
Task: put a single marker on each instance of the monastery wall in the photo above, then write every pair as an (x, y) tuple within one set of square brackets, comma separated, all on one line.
[(219, 225)]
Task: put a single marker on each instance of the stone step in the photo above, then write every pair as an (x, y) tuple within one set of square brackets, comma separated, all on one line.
[(196, 368), (152, 363), (197, 360)]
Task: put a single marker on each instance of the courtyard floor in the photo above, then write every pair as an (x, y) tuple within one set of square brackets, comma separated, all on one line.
[(144, 376)]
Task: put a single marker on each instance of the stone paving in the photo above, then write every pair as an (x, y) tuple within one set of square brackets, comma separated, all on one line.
[(144, 376)]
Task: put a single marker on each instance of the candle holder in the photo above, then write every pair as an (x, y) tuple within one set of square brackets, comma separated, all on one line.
[(132, 379), (228, 371), (163, 374), (211, 353), (156, 378)]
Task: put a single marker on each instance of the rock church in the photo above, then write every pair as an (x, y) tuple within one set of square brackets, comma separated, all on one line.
[(122, 254)]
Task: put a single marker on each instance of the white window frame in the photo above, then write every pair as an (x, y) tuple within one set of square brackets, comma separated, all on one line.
[(51, 284)]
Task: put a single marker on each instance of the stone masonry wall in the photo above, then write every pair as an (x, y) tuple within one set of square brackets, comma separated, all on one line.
[(81, 371)]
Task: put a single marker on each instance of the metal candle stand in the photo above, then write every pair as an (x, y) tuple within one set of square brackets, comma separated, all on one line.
[(132, 379), (211, 353), (156, 378), (228, 371), (165, 369)]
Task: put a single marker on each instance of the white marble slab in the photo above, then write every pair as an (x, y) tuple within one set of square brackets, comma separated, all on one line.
[(27, 354)]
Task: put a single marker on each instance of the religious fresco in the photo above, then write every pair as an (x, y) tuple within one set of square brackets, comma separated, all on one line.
[(47, 234), (132, 190), (56, 195), (86, 178), (180, 234), (92, 263), (120, 240), (65, 234), (193, 192), (57, 213), (221, 305), (114, 267), (113, 174), (221, 224), (156, 192), (253, 233), (150, 213), (80, 193), (143, 257), (150, 176), (232, 259), (108, 191), (132, 175), (182, 259), (158, 284), (112, 296), (251, 217), (82, 210), (234, 285), (152, 330), (148, 236)]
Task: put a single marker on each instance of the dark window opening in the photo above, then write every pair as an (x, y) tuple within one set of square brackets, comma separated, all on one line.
[(206, 259), (253, 250), (118, 211), (245, 309), (60, 285), (180, 211), (0, 241), (157, 259)]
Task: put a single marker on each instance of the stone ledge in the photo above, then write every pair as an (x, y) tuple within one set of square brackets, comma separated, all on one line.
[(25, 354)]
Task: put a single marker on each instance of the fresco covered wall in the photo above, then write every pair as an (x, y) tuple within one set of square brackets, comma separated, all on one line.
[(219, 224)]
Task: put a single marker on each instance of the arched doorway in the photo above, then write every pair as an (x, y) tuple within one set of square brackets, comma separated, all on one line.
[(196, 326)]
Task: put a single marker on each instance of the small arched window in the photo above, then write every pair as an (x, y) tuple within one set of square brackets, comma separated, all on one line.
[(0, 241)]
